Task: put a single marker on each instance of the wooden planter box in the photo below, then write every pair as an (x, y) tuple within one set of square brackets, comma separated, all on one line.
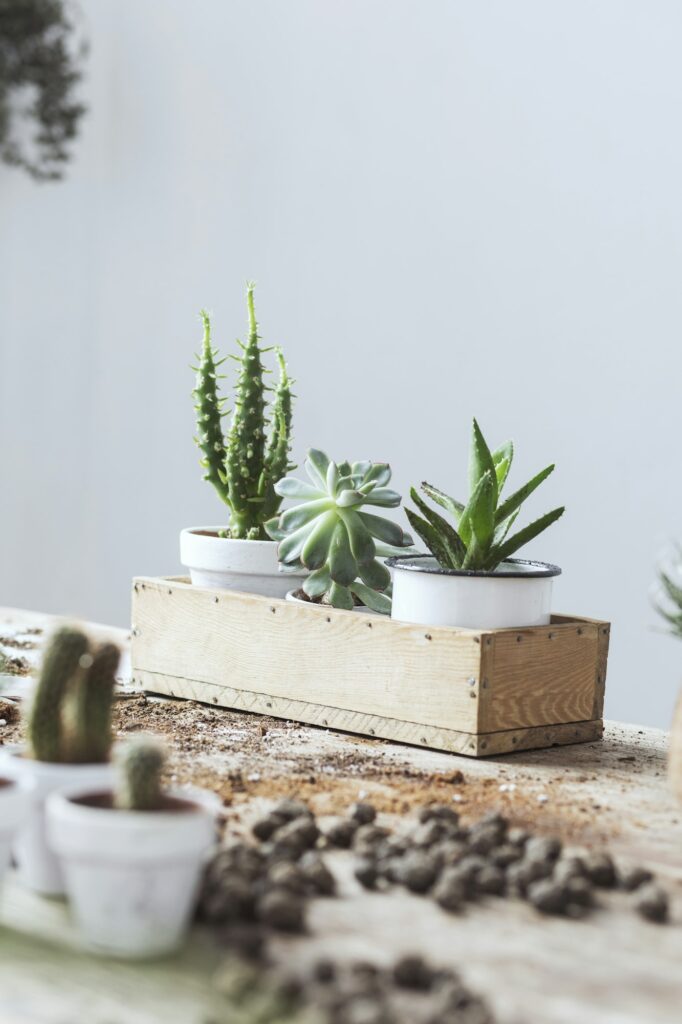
[(466, 691)]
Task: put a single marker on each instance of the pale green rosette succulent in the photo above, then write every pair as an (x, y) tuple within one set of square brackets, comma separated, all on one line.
[(330, 532)]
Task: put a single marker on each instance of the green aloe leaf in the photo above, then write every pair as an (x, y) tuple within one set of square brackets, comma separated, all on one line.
[(503, 529), (316, 548), (290, 487), (361, 542), (465, 528), (528, 533), (297, 516), (375, 575), (316, 465), (341, 597), (672, 590), (480, 460), (317, 583), (383, 529), (431, 539), (342, 565), (503, 458), (451, 505), (516, 499), (448, 534), (380, 603), (483, 510)]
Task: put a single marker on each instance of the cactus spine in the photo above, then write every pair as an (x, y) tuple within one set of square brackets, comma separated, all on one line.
[(138, 786), (62, 661), (88, 740), (70, 717), (245, 465)]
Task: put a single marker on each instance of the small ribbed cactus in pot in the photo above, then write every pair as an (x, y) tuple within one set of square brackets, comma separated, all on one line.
[(69, 720), (139, 766), (245, 463), (331, 533)]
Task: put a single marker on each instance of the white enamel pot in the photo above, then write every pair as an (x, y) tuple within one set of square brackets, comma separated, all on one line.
[(247, 565), (38, 867), (363, 609), (132, 877), (518, 593), (15, 806)]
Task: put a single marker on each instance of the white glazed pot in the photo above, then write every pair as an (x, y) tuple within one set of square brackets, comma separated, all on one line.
[(518, 593), (363, 609), (15, 805), (132, 877), (38, 867), (246, 565)]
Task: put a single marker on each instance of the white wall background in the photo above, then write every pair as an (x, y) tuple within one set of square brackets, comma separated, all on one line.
[(450, 208)]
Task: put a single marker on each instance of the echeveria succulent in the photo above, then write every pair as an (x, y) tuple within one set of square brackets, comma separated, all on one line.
[(245, 464), (479, 539), (331, 533)]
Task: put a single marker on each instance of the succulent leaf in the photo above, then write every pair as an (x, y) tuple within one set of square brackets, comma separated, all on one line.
[(318, 582), (341, 597), (503, 458), (384, 497), (299, 515), (342, 565), (378, 602), (315, 550), (316, 466), (291, 487), (375, 575), (483, 510), (384, 529), (449, 536)]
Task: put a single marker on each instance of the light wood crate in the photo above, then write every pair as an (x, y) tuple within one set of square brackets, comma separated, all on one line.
[(466, 691)]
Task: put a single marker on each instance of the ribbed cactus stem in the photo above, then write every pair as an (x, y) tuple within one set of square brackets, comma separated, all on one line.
[(138, 785), (63, 659), (89, 733), (246, 440), (208, 406), (277, 463)]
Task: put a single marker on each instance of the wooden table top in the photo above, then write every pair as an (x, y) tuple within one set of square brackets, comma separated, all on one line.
[(611, 968)]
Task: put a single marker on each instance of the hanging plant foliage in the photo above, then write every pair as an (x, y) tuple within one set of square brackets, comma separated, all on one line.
[(39, 70)]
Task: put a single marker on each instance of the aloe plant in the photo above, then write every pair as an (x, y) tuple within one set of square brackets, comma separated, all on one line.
[(245, 464), (668, 600), (479, 540), (330, 532)]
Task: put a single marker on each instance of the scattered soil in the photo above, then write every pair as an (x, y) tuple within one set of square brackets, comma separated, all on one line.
[(14, 664)]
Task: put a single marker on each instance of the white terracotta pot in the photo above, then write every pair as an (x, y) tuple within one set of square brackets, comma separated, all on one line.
[(291, 596), (518, 593), (246, 565), (38, 867), (132, 877), (15, 805)]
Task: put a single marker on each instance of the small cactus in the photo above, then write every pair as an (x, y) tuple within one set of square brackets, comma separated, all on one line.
[(245, 464), (88, 740), (61, 662), (70, 717), (138, 785)]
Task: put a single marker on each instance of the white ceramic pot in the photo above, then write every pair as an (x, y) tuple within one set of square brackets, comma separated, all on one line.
[(15, 804), (363, 609), (38, 867), (246, 565), (518, 593), (132, 877)]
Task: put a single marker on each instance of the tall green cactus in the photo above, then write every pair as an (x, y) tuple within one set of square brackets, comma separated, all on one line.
[(138, 784), (70, 717), (245, 465), (61, 662), (89, 737)]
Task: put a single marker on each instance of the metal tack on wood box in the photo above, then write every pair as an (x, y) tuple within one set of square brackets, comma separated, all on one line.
[(466, 691)]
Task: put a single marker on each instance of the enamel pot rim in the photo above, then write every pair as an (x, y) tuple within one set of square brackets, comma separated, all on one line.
[(534, 570)]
